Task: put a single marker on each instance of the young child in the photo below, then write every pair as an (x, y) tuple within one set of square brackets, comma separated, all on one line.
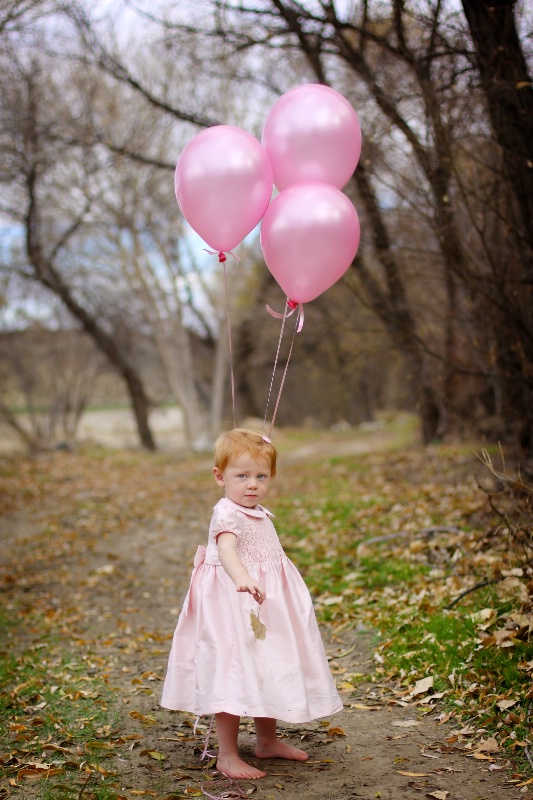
[(218, 663)]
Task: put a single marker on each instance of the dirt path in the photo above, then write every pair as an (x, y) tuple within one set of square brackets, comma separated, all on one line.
[(364, 763), (123, 589)]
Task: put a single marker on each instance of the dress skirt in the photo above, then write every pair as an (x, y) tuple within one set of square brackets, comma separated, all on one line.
[(217, 665)]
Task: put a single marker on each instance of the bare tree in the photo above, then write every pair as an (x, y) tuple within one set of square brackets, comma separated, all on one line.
[(426, 168), (506, 84), (49, 197), (102, 233), (50, 374), (415, 65)]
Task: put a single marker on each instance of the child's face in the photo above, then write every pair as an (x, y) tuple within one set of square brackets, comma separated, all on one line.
[(245, 480)]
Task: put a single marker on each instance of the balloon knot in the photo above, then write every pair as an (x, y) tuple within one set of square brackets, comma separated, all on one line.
[(292, 304), (222, 257)]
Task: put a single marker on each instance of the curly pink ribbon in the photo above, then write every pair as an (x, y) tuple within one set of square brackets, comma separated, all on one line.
[(222, 255), (293, 305)]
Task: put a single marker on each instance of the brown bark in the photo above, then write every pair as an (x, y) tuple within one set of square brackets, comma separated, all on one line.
[(507, 87)]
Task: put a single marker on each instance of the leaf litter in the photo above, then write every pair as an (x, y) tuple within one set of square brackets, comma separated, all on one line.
[(60, 563)]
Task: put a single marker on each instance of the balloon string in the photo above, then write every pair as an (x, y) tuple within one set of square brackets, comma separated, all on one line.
[(283, 317), (229, 343), (290, 304), (297, 328)]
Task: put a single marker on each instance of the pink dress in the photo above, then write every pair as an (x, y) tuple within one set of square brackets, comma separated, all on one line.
[(217, 665)]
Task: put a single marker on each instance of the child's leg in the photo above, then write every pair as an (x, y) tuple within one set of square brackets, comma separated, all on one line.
[(268, 744), (229, 762)]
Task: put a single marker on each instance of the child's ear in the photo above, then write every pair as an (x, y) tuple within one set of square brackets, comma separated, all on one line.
[(219, 477)]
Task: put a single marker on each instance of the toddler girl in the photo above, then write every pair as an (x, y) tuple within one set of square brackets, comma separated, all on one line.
[(219, 664)]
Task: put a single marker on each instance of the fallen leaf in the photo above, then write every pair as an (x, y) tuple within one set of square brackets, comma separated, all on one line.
[(501, 638), (505, 704), (481, 616), (336, 732), (406, 723), (31, 774), (156, 755), (420, 687), (488, 746), (145, 719), (438, 795), (413, 774)]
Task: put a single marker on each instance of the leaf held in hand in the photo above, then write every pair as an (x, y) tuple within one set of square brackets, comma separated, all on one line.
[(257, 626)]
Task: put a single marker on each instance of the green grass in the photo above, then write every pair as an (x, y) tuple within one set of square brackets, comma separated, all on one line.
[(402, 591), (54, 707)]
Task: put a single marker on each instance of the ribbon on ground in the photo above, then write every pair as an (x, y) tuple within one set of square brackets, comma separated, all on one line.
[(236, 790)]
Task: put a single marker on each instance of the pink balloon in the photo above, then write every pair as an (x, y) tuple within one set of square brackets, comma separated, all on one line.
[(223, 185), (312, 134), (309, 235)]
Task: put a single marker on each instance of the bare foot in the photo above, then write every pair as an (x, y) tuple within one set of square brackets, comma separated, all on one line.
[(278, 749), (234, 767)]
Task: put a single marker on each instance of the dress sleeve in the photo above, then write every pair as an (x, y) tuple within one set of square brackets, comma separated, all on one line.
[(226, 520)]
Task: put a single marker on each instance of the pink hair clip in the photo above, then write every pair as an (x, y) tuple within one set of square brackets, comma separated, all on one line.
[(266, 439)]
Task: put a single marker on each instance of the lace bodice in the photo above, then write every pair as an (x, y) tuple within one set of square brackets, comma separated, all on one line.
[(257, 539)]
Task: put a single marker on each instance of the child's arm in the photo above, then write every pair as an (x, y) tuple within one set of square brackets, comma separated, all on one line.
[(229, 558)]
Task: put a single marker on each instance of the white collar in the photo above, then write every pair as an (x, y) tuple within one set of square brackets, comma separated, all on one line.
[(259, 511)]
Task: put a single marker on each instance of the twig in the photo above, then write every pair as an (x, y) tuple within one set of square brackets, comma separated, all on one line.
[(85, 785), (424, 533), (526, 748), (487, 461), (345, 652), (472, 589)]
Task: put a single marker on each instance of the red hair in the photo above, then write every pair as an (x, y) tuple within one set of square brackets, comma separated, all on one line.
[(241, 440)]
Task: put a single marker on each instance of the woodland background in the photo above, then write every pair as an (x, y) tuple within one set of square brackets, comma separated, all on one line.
[(107, 298)]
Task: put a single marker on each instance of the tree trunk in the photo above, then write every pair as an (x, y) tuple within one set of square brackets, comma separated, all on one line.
[(391, 306), (507, 87), (31, 441), (46, 274)]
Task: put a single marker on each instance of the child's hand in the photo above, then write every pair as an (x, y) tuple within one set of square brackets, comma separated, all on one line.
[(227, 551), (255, 589)]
